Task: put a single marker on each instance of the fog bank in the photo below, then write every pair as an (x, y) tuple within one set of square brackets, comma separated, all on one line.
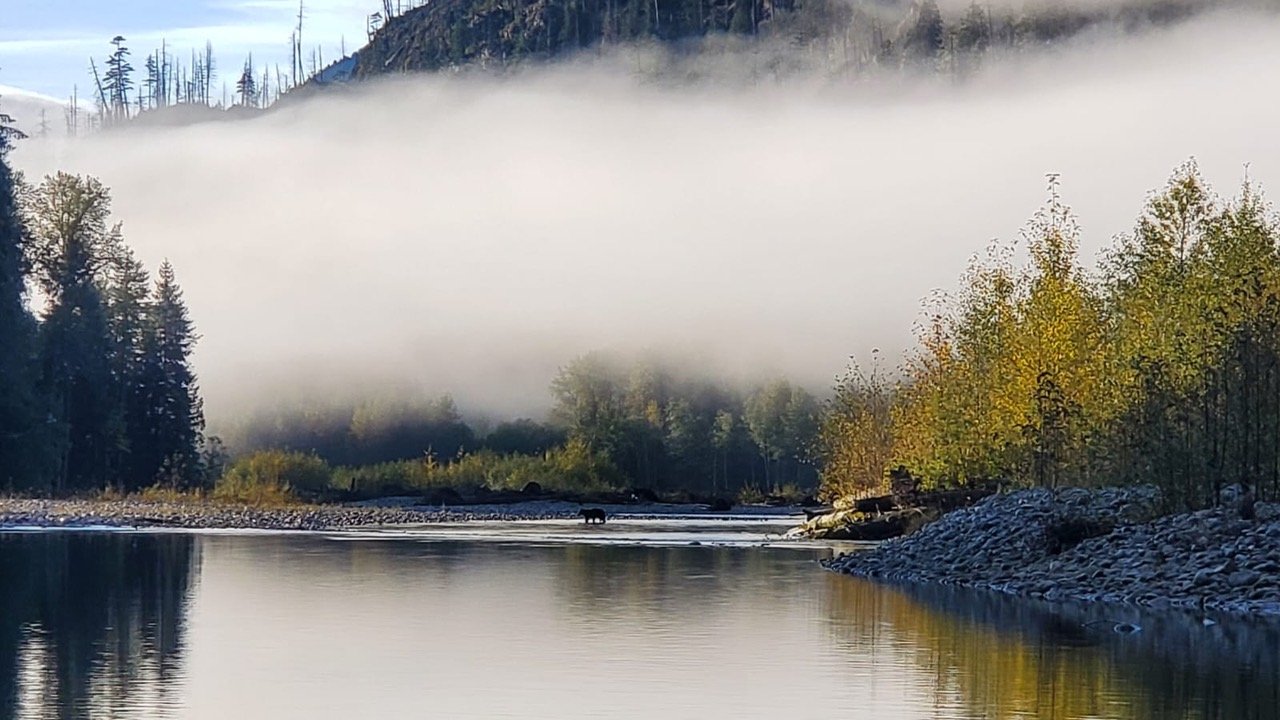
[(470, 235)]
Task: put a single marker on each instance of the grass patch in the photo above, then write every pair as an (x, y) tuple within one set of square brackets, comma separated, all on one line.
[(273, 478)]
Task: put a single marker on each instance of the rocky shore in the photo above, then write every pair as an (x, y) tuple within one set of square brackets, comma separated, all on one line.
[(137, 513), (1092, 545), (131, 513)]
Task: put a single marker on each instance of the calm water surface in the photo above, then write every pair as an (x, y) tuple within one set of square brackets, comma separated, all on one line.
[(555, 620)]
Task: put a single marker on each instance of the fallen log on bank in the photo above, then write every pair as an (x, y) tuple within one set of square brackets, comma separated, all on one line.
[(884, 527), (886, 516)]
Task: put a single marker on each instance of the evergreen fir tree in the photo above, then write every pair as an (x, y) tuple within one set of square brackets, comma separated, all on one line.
[(175, 415), (923, 35), (19, 414), (127, 296), (247, 85), (118, 80)]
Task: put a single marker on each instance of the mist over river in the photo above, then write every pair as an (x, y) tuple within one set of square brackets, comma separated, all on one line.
[(569, 622)]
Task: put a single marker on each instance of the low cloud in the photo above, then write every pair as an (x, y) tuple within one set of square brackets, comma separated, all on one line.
[(470, 235)]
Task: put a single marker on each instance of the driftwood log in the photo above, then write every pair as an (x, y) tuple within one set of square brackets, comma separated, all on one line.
[(890, 525), (886, 516)]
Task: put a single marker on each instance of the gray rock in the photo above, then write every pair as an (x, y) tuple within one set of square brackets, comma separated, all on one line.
[(1209, 558), (1243, 578)]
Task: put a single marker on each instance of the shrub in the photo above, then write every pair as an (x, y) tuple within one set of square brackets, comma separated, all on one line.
[(274, 477), (571, 468)]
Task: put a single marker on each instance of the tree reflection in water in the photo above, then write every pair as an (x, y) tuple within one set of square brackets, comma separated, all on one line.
[(1001, 657), (92, 621), (96, 625)]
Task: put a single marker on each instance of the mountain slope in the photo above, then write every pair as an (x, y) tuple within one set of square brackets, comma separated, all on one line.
[(850, 34), (449, 33)]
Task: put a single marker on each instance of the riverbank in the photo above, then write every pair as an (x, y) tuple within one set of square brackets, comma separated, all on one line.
[(195, 515), (1103, 545)]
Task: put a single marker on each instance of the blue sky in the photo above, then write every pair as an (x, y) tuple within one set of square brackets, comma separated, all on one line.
[(45, 45)]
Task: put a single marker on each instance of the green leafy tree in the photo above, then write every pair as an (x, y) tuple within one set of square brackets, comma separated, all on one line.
[(71, 244), (589, 403), (523, 437), (782, 421), (724, 437), (856, 436), (686, 442)]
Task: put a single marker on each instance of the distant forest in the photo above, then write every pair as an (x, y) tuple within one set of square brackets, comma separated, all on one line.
[(614, 424)]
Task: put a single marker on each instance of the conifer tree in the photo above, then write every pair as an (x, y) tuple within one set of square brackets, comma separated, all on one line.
[(247, 85), (20, 426), (127, 297), (924, 32), (118, 79), (973, 34), (174, 412)]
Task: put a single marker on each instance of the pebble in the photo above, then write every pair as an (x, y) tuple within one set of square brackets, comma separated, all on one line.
[(1012, 543), (210, 515)]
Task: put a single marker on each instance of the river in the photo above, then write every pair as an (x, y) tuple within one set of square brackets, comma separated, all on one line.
[(557, 620)]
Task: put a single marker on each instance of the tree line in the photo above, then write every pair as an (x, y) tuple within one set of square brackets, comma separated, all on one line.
[(1159, 366), (667, 430), (98, 390), (641, 423), (165, 79)]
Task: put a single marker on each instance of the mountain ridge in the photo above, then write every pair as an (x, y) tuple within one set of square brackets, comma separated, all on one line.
[(452, 34)]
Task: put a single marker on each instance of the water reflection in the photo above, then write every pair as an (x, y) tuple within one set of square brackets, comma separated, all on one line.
[(91, 624), (116, 626), (1000, 657)]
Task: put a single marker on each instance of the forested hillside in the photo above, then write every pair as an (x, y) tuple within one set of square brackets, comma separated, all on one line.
[(837, 35)]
